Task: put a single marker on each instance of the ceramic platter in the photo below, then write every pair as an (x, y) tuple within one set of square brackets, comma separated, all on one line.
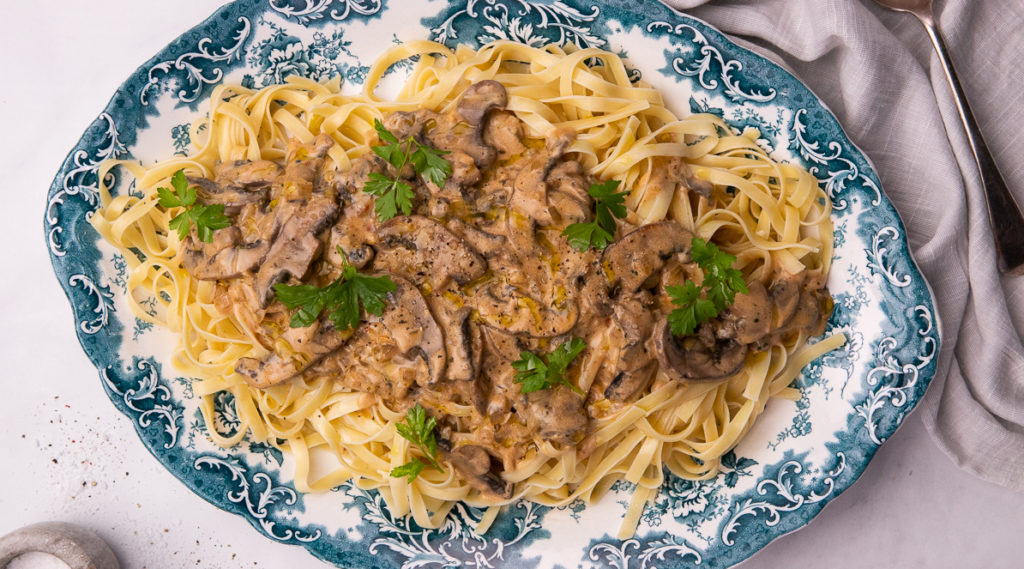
[(800, 455)]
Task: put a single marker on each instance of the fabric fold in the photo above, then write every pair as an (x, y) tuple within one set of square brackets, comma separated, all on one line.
[(876, 70)]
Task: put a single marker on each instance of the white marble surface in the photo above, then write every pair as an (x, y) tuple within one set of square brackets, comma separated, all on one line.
[(68, 455)]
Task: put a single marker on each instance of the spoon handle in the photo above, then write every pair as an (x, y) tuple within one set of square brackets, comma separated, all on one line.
[(1004, 214)]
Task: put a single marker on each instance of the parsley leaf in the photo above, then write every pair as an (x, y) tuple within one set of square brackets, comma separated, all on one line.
[(533, 373), (207, 218), (410, 469), (720, 285), (429, 164), (608, 204), (693, 310), (418, 429), (394, 194), (342, 298)]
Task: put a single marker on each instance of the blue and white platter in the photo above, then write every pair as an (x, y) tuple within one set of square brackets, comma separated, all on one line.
[(800, 455)]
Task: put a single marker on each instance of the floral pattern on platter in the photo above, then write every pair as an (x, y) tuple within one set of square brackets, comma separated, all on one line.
[(799, 456), (531, 23)]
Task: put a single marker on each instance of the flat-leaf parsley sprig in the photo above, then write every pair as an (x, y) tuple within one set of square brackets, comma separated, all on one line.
[(534, 373), (395, 194), (207, 218), (696, 305), (608, 204), (342, 298), (418, 429)]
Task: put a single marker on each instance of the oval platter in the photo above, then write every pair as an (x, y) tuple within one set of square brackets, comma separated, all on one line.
[(800, 454)]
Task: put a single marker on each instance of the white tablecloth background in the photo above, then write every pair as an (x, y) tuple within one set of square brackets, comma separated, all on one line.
[(68, 455)]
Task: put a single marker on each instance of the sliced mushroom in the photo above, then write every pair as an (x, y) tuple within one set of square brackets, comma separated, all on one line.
[(479, 99), (355, 226), (629, 382), (749, 318), (481, 470), (296, 245), (505, 133), (461, 339), (424, 251), (530, 196), (414, 329), (487, 244), (511, 310), (233, 197), (691, 358), (636, 363), (811, 313), (297, 350), (556, 415), (784, 293), (494, 390), (226, 257), (632, 261), (247, 173)]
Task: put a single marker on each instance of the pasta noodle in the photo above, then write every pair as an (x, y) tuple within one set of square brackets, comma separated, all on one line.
[(776, 218)]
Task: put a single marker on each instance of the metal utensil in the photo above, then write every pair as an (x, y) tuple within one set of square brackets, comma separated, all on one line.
[(1004, 214)]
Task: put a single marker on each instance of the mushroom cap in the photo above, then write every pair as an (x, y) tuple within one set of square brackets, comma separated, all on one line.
[(481, 470), (479, 98), (690, 359), (631, 261)]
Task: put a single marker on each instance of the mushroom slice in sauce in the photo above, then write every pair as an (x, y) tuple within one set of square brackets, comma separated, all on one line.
[(247, 173), (481, 470), (631, 261), (487, 244), (494, 390), (691, 358), (749, 319), (225, 257), (505, 133), (297, 243), (414, 329), (298, 349), (510, 310), (479, 99), (811, 313), (635, 365), (232, 197), (424, 251), (556, 415), (461, 339)]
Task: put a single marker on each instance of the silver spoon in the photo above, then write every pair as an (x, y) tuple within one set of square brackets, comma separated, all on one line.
[(1004, 214)]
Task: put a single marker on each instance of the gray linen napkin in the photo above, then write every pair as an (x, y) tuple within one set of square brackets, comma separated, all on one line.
[(876, 71)]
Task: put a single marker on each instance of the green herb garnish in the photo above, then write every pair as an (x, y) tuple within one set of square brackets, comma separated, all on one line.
[(534, 373), (607, 206), (719, 288), (418, 429), (395, 194), (207, 218), (341, 298)]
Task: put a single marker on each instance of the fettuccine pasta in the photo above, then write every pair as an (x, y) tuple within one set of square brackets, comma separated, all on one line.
[(773, 217)]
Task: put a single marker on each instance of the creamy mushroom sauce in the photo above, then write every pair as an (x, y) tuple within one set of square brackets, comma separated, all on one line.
[(482, 273)]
